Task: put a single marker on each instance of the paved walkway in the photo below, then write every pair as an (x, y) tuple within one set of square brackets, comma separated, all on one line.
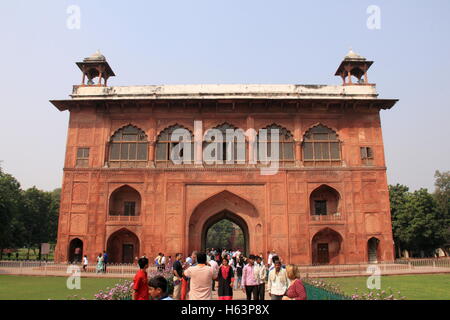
[(128, 271), (238, 295)]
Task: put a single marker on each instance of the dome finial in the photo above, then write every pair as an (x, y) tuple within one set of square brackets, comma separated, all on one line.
[(97, 56), (351, 55)]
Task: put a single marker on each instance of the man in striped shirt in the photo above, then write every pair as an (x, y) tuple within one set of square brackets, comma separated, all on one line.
[(249, 282)]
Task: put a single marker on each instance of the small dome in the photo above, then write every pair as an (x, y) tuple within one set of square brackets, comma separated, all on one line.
[(351, 55), (96, 57)]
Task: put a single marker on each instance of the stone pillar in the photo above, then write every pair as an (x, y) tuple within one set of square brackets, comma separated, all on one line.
[(250, 151), (298, 152), (151, 153), (198, 142), (152, 134), (297, 141)]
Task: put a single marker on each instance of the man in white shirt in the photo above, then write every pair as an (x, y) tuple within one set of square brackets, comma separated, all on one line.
[(278, 282), (85, 263), (157, 259), (260, 276), (161, 262), (269, 259), (192, 260), (215, 267)]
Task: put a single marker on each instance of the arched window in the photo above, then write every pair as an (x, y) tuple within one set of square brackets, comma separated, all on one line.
[(220, 148), (125, 201), (128, 148), (324, 204), (285, 146), (321, 146), (165, 145)]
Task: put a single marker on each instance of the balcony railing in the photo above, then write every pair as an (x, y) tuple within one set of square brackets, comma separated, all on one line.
[(119, 217), (328, 217)]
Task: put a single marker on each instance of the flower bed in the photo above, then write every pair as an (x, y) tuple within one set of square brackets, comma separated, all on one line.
[(317, 289), (121, 291), (124, 290)]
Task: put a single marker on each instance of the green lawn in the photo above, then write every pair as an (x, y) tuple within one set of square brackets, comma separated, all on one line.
[(413, 287), (44, 288)]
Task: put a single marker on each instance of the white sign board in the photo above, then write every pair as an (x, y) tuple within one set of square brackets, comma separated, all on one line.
[(45, 248)]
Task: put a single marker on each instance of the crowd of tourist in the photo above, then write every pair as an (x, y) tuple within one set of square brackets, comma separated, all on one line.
[(196, 277)]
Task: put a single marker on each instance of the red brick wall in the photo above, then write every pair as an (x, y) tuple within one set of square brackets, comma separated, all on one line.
[(175, 203)]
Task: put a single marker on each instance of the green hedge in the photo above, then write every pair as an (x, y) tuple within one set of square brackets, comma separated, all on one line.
[(314, 292)]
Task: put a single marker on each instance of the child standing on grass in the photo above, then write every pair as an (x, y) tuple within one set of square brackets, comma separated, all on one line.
[(85, 263)]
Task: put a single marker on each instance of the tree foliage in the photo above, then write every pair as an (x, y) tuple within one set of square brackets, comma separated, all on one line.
[(225, 234), (35, 216), (442, 193), (27, 218), (417, 224), (10, 199)]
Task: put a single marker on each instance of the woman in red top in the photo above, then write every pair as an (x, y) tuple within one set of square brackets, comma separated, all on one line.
[(226, 280), (296, 290)]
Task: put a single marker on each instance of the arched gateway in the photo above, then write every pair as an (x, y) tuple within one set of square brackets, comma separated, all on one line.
[(226, 215), (224, 205)]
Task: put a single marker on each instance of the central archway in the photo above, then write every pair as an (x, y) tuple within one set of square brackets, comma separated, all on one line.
[(224, 205), (226, 215)]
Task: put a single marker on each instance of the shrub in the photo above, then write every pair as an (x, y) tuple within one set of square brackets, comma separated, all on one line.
[(121, 291), (124, 291)]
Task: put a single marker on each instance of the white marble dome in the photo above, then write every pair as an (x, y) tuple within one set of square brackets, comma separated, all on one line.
[(97, 56), (351, 55)]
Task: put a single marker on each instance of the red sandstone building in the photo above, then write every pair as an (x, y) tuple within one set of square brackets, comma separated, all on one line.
[(327, 204)]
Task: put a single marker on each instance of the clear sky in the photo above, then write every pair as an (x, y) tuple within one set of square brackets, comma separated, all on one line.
[(232, 41)]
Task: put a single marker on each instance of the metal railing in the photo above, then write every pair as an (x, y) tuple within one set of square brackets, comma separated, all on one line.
[(51, 268), (328, 217), (394, 267), (116, 217)]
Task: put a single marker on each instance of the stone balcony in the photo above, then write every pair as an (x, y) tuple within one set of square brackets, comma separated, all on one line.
[(328, 218), (117, 218)]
